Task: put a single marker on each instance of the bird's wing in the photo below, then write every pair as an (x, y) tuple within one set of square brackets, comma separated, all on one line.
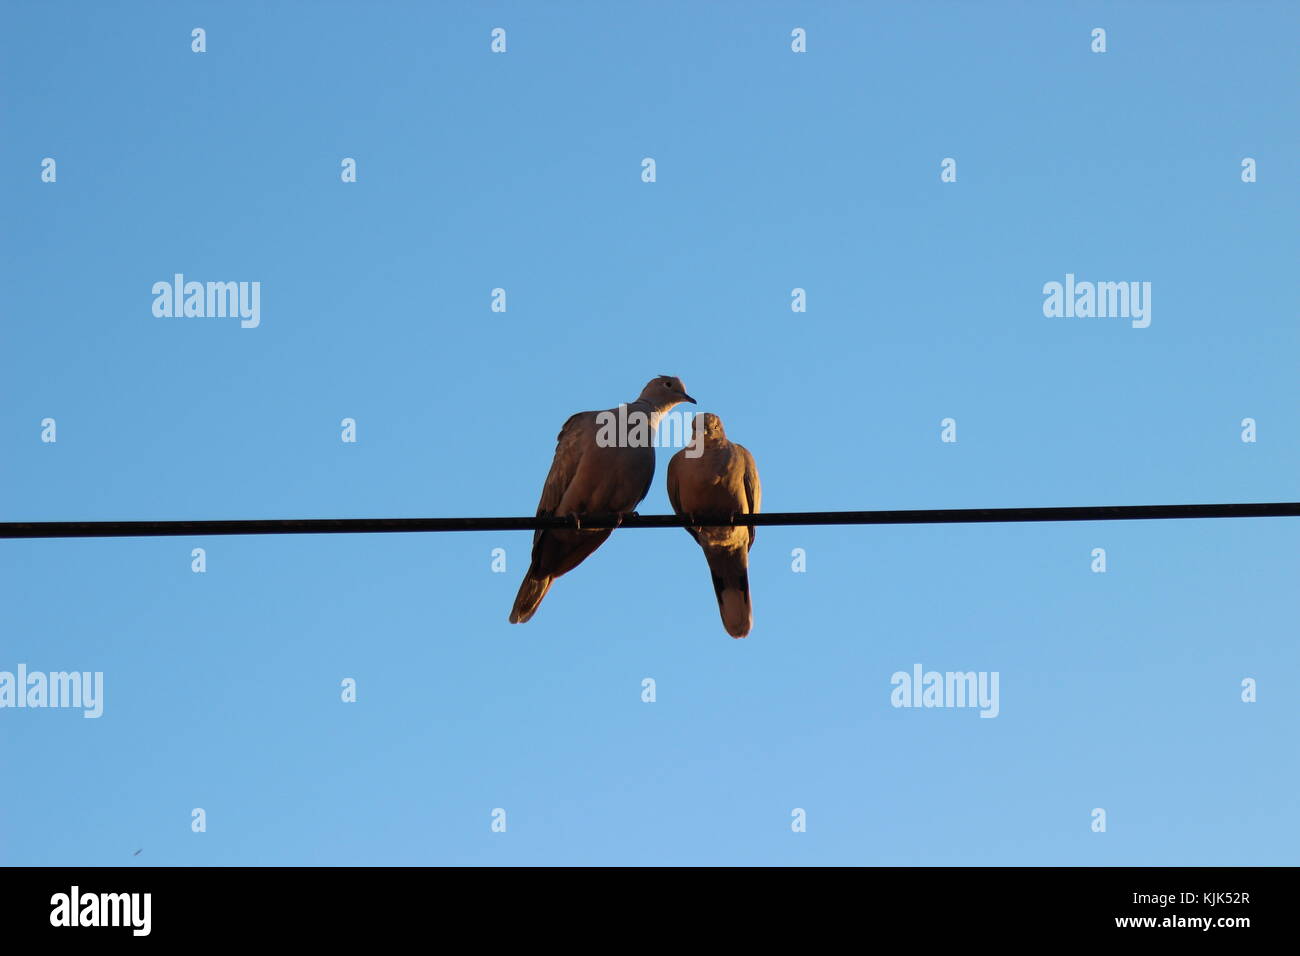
[(568, 452), (674, 478), (753, 489), (675, 487)]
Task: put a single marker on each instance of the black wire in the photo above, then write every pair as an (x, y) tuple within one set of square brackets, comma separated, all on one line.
[(135, 529)]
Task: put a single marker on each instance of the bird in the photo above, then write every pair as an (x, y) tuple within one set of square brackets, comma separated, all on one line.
[(714, 476), (138, 852), (596, 470)]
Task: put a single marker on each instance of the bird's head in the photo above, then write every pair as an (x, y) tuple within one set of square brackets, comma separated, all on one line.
[(665, 391), (708, 427)]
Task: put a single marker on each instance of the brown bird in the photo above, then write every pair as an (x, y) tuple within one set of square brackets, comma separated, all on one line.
[(599, 468), (721, 480)]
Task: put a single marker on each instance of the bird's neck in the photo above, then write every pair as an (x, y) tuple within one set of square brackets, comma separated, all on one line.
[(655, 412)]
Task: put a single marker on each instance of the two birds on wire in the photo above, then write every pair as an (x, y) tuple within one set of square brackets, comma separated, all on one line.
[(596, 476)]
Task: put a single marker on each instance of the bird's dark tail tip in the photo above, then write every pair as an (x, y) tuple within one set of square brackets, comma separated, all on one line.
[(530, 595), (737, 615), (731, 585)]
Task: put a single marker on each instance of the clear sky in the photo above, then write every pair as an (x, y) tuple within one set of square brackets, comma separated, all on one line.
[(775, 170)]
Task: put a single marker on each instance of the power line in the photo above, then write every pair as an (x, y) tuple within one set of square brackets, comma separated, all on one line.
[(138, 529)]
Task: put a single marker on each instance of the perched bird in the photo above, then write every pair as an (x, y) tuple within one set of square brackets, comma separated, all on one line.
[(598, 469), (721, 479)]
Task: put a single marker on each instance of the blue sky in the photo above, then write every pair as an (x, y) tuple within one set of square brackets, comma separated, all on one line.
[(775, 170)]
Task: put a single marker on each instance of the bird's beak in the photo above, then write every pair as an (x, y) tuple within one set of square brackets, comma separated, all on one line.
[(691, 400)]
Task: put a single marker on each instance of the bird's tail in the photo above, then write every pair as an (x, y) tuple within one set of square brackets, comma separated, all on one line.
[(531, 592), (730, 569)]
